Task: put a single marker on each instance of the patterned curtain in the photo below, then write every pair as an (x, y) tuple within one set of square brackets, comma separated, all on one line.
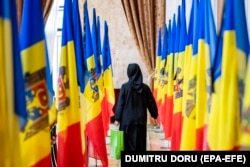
[(46, 4), (144, 18)]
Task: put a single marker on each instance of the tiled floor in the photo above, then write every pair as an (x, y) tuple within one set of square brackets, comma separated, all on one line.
[(155, 142)]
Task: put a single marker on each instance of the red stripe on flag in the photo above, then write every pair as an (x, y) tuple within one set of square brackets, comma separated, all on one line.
[(44, 162), (107, 113), (169, 105), (176, 131), (199, 138), (96, 134), (85, 159), (160, 111), (70, 147)]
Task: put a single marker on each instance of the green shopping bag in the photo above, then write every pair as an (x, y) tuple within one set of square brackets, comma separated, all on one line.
[(116, 143)]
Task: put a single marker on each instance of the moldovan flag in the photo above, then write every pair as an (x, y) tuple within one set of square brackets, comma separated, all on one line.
[(213, 117), (209, 44), (33, 55), (96, 42), (176, 41), (108, 85), (178, 87), (78, 44), (12, 101), (168, 98), (164, 79), (187, 59), (234, 55), (94, 123), (243, 71), (162, 86), (245, 123), (157, 71), (67, 98), (201, 95), (188, 141)]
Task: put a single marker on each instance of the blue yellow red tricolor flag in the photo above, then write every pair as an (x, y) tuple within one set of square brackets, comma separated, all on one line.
[(206, 51), (169, 68), (233, 70), (96, 42), (157, 70), (213, 117), (176, 41), (67, 98), (188, 128), (78, 44), (187, 60), (12, 93), (210, 40), (201, 100), (245, 123), (162, 85), (33, 55), (178, 84), (94, 123), (108, 84), (80, 67), (164, 77), (242, 52)]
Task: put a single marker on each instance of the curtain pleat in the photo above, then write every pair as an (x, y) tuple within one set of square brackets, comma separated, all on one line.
[(144, 18), (46, 5)]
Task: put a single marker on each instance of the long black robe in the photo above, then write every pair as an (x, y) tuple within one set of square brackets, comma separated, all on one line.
[(135, 99)]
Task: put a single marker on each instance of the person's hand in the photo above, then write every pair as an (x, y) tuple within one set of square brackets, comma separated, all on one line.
[(155, 122), (117, 123)]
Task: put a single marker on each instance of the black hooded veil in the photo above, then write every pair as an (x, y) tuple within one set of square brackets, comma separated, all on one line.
[(135, 99), (135, 77)]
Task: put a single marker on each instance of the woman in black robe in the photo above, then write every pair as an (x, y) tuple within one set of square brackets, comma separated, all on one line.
[(131, 110)]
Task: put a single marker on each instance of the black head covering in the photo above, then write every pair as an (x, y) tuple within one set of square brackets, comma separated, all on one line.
[(135, 77)]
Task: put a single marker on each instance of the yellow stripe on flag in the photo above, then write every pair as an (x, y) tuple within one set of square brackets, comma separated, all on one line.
[(228, 138), (201, 98), (245, 124), (34, 58), (9, 130), (188, 141), (68, 76), (37, 128)]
